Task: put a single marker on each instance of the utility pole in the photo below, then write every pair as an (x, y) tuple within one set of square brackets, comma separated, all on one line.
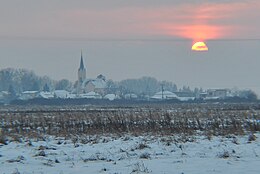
[(162, 90)]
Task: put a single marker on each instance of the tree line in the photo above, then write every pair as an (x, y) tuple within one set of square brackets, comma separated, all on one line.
[(18, 80)]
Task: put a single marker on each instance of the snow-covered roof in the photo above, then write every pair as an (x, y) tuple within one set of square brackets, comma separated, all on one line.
[(212, 98), (70, 95), (46, 95), (186, 98), (3, 94), (111, 97), (91, 94), (164, 95), (98, 83), (131, 96), (26, 95), (219, 90), (61, 93), (30, 92)]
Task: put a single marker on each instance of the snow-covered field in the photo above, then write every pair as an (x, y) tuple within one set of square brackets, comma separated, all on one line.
[(129, 154)]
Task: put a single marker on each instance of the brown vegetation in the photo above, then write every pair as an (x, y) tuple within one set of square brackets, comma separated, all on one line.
[(187, 119)]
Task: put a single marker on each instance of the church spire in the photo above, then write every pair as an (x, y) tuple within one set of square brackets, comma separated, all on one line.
[(81, 71), (81, 67)]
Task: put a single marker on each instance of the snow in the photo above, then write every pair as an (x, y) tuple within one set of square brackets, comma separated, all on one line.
[(30, 92), (186, 98), (165, 95), (28, 95), (97, 83), (90, 95), (129, 154), (131, 96), (110, 97), (61, 94), (46, 95)]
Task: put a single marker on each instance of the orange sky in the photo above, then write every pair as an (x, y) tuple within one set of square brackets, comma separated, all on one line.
[(207, 21), (203, 21)]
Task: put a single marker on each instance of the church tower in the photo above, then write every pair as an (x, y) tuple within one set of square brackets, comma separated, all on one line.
[(81, 71)]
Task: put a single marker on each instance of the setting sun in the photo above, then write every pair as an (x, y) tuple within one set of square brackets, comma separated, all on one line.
[(199, 46)]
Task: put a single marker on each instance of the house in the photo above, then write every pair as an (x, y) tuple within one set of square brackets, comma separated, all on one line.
[(111, 97), (46, 95), (27, 95), (61, 94), (130, 96), (84, 85), (202, 95), (185, 96), (217, 93), (162, 95), (3, 96), (91, 95), (97, 85)]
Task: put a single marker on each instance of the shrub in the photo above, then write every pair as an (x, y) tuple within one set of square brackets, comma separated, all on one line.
[(3, 138), (251, 137), (145, 155), (224, 155), (142, 146), (140, 168)]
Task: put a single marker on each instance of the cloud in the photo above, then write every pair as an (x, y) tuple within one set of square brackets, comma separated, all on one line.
[(130, 19), (209, 20)]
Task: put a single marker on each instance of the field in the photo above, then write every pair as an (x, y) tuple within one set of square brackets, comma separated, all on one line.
[(178, 138)]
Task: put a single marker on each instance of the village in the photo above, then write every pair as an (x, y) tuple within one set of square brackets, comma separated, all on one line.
[(99, 88)]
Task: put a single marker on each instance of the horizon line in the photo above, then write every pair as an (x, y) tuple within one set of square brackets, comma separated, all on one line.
[(73, 39)]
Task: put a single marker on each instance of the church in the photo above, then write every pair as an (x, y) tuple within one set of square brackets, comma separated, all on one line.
[(85, 85)]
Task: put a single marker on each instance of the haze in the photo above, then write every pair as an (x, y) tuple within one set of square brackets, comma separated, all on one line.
[(131, 39)]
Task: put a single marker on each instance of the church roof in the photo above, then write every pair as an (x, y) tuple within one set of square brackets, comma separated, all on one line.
[(97, 83)]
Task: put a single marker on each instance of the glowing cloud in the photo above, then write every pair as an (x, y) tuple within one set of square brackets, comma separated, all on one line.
[(199, 46), (196, 32), (204, 21)]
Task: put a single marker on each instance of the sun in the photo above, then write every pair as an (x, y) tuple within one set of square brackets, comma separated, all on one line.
[(199, 46)]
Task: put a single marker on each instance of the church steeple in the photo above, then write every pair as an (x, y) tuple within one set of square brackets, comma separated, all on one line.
[(81, 67), (81, 71)]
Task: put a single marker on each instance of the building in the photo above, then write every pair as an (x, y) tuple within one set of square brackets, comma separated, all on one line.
[(26, 95), (185, 96), (97, 85), (85, 85), (82, 72), (163, 95), (91, 95), (217, 93)]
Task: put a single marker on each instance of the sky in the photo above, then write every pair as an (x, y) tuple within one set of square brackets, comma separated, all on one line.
[(131, 39)]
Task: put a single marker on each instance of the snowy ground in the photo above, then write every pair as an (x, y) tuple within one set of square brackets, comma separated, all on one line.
[(146, 154)]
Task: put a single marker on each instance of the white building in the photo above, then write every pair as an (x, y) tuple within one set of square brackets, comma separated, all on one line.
[(217, 93), (162, 95), (131, 96), (97, 85), (27, 95), (91, 95), (61, 94), (111, 97), (85, 85), (46, 95)]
